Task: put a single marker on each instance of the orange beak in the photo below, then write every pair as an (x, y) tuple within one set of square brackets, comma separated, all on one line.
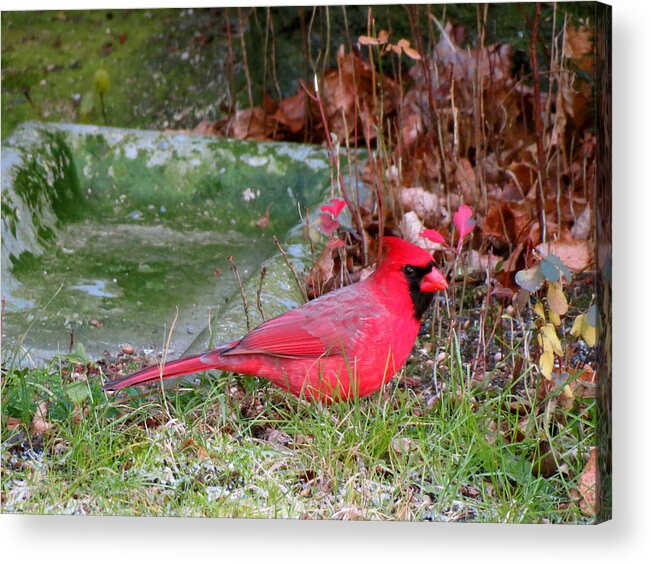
[(433, 282)]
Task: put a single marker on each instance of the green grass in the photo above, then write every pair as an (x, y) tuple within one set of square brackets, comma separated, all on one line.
[(55, 55), (237, 447)]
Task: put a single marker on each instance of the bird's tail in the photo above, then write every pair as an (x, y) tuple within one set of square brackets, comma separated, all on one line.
[(178, 367)]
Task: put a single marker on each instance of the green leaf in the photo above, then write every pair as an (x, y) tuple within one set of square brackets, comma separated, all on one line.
[(516, 468), (591, 314), (79, 356), (87, 103), (78, 392), (556, 261), (550, 270), (531, 279)]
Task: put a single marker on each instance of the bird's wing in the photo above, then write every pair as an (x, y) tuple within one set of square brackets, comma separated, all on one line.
[(324, 327)]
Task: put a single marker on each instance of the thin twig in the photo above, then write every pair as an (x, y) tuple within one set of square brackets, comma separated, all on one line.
[(245, 63), (413, 16), (334, 160), (101, 100), (168, 340), (230, 61), (258, 301), (239, 282), (274, 74), (533, 55), (299, 282)]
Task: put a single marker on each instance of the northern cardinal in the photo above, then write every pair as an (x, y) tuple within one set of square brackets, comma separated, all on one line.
[(346, 343)]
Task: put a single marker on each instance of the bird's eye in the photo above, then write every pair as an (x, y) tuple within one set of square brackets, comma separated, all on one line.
[(409, 270)]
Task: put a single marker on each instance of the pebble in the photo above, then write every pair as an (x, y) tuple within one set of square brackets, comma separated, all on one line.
[(127, 348)]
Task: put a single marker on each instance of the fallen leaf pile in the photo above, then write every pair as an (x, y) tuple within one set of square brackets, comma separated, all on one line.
[(454, 127)]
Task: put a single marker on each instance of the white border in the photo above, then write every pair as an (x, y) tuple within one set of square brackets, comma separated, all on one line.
[(625, 539)]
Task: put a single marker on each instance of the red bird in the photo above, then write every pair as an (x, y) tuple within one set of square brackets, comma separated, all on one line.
[(346, 343)]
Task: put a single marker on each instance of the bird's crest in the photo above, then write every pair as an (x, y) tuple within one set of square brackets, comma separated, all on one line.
[(399, 253)]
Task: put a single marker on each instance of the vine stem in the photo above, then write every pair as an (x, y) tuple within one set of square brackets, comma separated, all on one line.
[(537, 113)]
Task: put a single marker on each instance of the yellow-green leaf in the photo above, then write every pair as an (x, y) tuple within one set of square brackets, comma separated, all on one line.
[(539, 311), (556, 298), (554, 318), (588, 332), (102, 81), (549, 333), (576, 326), (547, 364)]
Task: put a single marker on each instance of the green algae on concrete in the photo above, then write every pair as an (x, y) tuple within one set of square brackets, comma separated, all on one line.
[(105, 232)]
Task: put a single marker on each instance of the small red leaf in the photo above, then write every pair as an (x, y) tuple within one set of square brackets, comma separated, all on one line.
[(327, 224), (335, 207), (464, 223), (433, 235), (334, 243)]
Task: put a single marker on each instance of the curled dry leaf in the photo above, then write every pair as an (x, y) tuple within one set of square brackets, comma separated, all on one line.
[(253, 123), (404, 46), (411, 228), (402, 445), (12, 423), (508, 223), (466, 179), (277, 437), (291, 112), (577, 42), (582, 228), (205, 127), (381, 39), (424, 203), (40, 424), (322, 273), (263, 221)]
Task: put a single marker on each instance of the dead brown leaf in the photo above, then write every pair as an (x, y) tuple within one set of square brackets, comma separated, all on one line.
[(425, 204), (587, 493), (12, 423), (577, 42), (466, 179), (40, 424), (575, 254), (251, 124), (263, 221), (291, 112), (205, 127)]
